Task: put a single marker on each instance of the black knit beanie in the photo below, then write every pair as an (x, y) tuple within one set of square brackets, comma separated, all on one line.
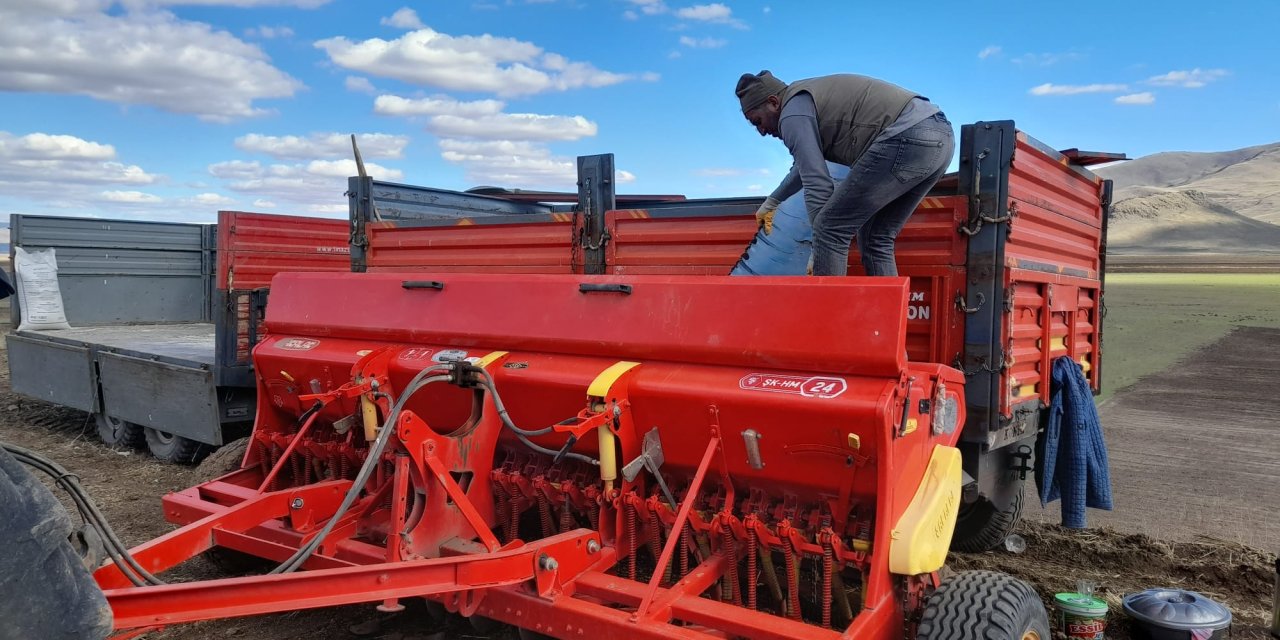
[(754, 89)]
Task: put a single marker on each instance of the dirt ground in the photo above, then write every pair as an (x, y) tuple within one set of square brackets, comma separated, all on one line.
[(128, 486)]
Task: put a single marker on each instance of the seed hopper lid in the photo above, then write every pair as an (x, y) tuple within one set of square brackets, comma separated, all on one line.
[(1176, 609)]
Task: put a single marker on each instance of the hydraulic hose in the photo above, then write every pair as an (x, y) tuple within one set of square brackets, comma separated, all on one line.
[(295, 561), (69, 482), (523, 435)]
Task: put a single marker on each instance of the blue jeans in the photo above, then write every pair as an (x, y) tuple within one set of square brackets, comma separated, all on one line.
[(884, 186)]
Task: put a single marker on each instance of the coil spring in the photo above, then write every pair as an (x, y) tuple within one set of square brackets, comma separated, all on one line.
[(513, 523), (655, 544), (686, 542), (264, 457), (793, 581), (593, 515), (753, 571), (630, 512), (544, 514), (344, 466), (731, 575), (307, 457), (500, 507), (828, 562), (566, 517), (275, 459)]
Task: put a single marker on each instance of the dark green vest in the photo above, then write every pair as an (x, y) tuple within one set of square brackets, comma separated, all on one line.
[(852, 111)]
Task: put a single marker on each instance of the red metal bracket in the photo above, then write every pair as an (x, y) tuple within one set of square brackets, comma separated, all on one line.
[(569, 554)]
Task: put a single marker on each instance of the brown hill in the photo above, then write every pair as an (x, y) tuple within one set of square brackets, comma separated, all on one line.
[(1197, 202), (1186, 221)]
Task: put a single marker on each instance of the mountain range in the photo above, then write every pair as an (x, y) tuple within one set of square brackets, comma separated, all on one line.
[(1185, 202)]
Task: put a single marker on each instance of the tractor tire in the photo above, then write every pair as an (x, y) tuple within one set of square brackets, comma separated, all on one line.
[(981, 526), (986, 605), (222, 461), (175, 449), (47, 591), (119, 434)]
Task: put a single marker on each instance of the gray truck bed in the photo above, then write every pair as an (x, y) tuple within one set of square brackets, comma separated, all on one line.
[(190, 344)]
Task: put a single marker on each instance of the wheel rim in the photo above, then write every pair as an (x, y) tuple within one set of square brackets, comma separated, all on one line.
[(117, 426), (164, 437)]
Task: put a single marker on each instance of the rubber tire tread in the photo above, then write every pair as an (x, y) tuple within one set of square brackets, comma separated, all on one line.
[(132, 437), (982, 527), (178, 451), (222, 461), (985, 605)]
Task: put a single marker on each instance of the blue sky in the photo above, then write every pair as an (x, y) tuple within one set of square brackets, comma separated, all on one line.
[(174, 109)]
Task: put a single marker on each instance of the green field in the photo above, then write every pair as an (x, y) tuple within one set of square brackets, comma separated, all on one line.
[(1155, 320)]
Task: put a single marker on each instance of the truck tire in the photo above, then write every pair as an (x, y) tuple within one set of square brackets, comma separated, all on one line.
[(168, 447), (119, 434), (982, 526), (222, 461), (984, 604)]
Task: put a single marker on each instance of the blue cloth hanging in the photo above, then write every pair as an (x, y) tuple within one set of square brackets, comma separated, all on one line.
[(1073, 455)]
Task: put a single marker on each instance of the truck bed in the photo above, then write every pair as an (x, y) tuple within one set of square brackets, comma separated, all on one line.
[(189, 344)]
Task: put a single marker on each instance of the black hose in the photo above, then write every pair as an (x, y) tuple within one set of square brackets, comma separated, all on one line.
[(89, 511), (295, 561), (523, 434)]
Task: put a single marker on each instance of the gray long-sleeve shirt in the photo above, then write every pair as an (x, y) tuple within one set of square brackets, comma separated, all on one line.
[(798, 128)]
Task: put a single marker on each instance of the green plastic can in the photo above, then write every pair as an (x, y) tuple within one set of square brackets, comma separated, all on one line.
[(1081, 617)]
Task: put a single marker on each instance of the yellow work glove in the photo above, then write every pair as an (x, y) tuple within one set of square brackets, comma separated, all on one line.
[(764, 215)]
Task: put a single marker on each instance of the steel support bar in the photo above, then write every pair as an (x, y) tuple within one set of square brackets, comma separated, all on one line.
[(207, 600), (677, 528), (182, 544)]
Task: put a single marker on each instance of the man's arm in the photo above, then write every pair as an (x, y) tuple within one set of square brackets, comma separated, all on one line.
[(798, 127)]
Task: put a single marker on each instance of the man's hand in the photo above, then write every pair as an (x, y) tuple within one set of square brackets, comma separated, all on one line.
[(764, 215)]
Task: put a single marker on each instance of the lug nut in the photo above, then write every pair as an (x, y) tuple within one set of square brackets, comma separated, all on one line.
[(593, 547), (296, 504)]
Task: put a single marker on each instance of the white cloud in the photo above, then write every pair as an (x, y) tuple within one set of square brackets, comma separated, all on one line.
[(1146, 97), (650, 7), (992, 50), (510, 163), (703, 43), (1050, 89), (502, 66), (404, 18), (359, 84), (1045, 59), (212, 199), (624, 177), (391, 105), (755, 188), (300, 4), (329, 208), (1193, 79), (269, 32), (46, 163), (150, 58), (630, 15), (131, 197), (372, 145), (513, 126), (315, 183), (715, 12)]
